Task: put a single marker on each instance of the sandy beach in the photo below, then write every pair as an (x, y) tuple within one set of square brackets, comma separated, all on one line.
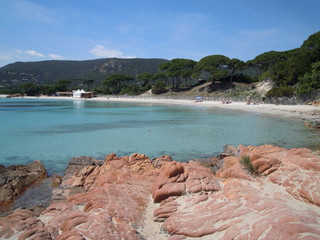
[(304, 112), (297, 111)]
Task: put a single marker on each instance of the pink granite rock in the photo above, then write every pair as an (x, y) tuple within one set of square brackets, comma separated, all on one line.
[(296, 169), (285, 205), (23, 224), (244, 210), (114, 200), (170, 182), (233, 169), (176, 179), (158, 162), (112, 203)]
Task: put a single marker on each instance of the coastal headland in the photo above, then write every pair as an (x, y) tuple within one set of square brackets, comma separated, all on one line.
[(248, 192)]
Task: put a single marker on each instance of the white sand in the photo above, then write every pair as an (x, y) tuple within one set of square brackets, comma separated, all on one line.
[(308, 112), (152, 230), (301, 111)]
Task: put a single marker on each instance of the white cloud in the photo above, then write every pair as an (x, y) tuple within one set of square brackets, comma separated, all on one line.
[(4, 57), (34, 53), (101, 51), (55, 56), (32, 11)]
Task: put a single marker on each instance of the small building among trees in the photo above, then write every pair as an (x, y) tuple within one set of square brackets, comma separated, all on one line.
[(64, 94), (82, 94)]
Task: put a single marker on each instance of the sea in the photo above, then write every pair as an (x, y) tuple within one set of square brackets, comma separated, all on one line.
[(54, 131)]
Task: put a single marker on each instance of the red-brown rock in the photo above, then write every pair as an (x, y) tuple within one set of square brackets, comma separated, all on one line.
[(244, 210), (296, 169), (23, 224), (14, 180), (158, 162), (176, 179), (233, 169), (113, 201)]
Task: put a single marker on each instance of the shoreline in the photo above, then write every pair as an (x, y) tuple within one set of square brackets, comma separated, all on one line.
[(154, 206), (303, 112)]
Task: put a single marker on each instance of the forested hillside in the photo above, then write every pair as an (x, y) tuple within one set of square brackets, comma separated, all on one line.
[(292, 72), (48, 72)]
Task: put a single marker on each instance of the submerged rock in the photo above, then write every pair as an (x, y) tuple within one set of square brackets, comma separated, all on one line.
[(312, 124)]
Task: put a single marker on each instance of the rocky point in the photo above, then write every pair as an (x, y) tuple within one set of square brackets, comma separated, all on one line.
[(15, 179), (134, 197)]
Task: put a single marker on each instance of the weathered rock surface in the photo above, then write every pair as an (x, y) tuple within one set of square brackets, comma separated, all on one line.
[(157, 163), (214, 163), (230, 150), (177, 179), (23, 224), (244, 210), (136, 198), (15, 179), (77, 163), (97, 202), (281, 203)]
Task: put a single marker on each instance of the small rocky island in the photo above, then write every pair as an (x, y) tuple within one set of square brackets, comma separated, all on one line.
[(274, 194)]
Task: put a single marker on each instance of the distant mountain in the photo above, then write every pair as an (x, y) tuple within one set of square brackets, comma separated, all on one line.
[(47, 72)]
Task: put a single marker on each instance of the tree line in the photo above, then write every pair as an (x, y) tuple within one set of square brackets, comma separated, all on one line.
[(294, 72)]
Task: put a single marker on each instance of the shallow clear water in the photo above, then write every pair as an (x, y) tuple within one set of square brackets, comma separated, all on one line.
[(54, 131)]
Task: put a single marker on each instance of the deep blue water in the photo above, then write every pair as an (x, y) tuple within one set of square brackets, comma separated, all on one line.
[(54, 131)]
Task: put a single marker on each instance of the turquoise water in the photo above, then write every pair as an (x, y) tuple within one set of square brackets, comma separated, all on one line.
[(54, 131)]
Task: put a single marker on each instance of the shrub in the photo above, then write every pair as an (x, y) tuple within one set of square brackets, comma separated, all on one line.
[(281, 91), (247, 164), (310, 81), (159, 87), (30, 89), (134, 89)]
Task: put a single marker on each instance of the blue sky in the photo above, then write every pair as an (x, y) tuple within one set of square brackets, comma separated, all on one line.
[(36, 30)]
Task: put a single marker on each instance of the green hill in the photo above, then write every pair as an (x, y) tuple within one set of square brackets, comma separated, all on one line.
[(292, 72), (47, 72)]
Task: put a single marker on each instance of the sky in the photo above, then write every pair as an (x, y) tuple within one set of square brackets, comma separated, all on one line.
[(37, 30)]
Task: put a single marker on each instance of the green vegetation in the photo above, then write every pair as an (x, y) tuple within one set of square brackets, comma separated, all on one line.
[(280, 91), (116, 82), (30, 89), (87, 83), (294, 69), (247, 164), (178, 70), (145, 78), (221, 67), (159, 87), (293, 72), (48, 72), (310, 80)]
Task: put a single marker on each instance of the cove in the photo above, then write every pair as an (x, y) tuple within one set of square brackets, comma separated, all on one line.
[(54, 131)]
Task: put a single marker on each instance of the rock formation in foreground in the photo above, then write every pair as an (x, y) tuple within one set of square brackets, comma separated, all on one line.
[(15, 179), (136, 198)]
